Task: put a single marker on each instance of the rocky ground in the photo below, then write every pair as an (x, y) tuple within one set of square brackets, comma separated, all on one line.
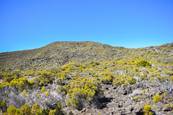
[(131, 100)]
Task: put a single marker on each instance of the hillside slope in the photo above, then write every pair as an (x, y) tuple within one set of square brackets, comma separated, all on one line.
[(81, 78), (59, 53)]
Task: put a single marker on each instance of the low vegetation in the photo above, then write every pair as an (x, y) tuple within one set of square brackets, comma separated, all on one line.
[(81, 89)]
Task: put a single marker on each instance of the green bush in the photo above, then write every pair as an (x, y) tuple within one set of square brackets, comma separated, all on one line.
[(7, 76), (29, 73), (19, 83), (157, 98), (25, 109), (45, 73), (123, 80), (106, 77), (52, 112), (4, 84), (2, 103), (147, 110), (143, 63), (81, 88), (43, 89), (12, 110), (44, 80), (46, 93), (61, 76), (36, 110)]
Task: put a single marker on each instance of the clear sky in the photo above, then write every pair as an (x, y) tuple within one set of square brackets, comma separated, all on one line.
[(27, 24)]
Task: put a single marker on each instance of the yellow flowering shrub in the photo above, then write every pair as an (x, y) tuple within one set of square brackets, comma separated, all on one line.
[(157, 98), (123, 80), (81, 88)]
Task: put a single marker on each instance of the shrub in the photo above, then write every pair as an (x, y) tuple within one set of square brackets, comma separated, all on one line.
[(147, 110), (12, 110), (24, 93), (7, 76), (157, 98), (45, 73), (45, 77), (2, 103), (43, 89), (44, 80), (52, 112), (28, 72), (36, 110), (31, 82), (3, 85), (67, 67), (3, 106), (18, 112), (123, 80), (46, 93), (143, 63), (19, 83), (81, 88), (107, 77), (61, 76), (25, 109)]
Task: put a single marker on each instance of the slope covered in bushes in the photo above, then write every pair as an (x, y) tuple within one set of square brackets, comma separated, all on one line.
[(114, 81)]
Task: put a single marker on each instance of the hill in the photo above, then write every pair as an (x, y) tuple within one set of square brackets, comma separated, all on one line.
[(87, 78), (60, 53)]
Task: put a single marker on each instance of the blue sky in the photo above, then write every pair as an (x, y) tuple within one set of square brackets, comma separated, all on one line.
[(27, 24)]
